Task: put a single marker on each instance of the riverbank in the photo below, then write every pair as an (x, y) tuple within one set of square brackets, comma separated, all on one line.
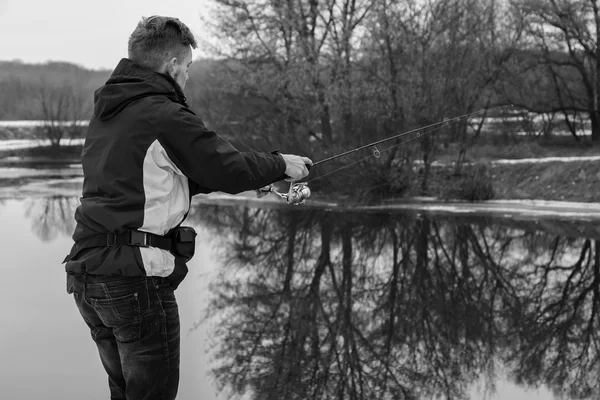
[(574, 177), (40, 156), (570, 179)]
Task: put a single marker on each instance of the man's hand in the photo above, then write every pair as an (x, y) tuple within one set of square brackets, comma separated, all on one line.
[(263, 191), (296, 166)]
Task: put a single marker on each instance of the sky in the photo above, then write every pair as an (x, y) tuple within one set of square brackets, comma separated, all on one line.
[(90, 33)]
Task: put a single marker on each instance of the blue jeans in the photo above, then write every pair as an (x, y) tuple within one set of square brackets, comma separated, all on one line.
[(135, 325)]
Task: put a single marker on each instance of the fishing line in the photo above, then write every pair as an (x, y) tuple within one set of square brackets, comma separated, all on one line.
[(418, 132), (435, 125), (371, 155)]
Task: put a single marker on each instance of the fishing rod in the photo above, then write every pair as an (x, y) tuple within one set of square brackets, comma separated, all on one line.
[(298, 192)]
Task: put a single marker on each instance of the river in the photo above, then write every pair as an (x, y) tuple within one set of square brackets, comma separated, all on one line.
[(321, 301)]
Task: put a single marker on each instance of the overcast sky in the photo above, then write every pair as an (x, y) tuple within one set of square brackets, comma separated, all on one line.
[(92, 33)]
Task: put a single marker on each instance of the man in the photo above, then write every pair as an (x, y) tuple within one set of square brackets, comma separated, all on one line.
[(146, 154)]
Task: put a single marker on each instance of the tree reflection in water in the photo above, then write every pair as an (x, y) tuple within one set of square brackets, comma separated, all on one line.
[(327, 305), (52, 216), (322, 305)]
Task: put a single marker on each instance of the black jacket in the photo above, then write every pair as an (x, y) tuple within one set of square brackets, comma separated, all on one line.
[(145, 155)]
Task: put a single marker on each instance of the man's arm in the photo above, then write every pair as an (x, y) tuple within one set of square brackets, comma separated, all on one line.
[(215, 164)]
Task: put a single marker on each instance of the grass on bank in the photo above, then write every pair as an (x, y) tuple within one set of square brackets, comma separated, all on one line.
[(560, 181), (555, 180)]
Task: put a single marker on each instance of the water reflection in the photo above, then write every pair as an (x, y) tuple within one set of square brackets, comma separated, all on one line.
[(314, 304), (51, 217), (323, 304)]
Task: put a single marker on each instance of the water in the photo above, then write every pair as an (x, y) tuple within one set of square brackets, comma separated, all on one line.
[(36, 123), (46, 348), (307, 302), (18, 144)]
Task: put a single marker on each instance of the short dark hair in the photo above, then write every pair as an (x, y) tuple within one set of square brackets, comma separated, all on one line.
[(156, 39)]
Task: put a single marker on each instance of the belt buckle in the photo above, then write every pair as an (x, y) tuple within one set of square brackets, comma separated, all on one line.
[(111, 239), (138, 238)]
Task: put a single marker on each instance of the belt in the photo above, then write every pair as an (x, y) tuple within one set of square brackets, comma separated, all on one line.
[(129, 238), (138, 238), (84, 278)]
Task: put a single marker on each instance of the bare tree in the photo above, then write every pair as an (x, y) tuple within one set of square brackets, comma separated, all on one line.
[(431, 61), (63, 107), (565, 34), (298, 57)]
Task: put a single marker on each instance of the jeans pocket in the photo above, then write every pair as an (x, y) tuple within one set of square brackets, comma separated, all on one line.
[(71, 287), (70, 283), (122, 314)]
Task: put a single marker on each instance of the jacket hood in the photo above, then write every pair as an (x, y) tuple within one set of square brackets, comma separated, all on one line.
[(130, 82)]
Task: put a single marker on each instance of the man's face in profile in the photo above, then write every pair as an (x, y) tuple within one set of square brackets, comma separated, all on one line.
[(179, 66)]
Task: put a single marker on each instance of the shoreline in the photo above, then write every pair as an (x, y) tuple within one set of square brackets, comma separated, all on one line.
[(538, 181), (533, 207)]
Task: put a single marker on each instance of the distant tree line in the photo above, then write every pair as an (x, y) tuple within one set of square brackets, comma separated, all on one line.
[(35, 91), (60, 94)]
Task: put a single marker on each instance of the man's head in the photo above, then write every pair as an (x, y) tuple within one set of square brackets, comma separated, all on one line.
[(164, 45)]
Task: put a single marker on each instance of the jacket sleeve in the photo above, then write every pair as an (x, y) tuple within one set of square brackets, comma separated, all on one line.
[(210, 161)]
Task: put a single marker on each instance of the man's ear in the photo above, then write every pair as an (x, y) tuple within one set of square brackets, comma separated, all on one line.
[(171, 66)]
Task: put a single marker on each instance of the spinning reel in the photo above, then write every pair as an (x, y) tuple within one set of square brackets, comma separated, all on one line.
[(296, 195)]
